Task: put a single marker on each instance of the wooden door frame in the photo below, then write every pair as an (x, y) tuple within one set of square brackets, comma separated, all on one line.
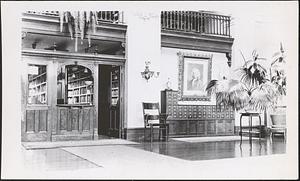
[(122, 124)]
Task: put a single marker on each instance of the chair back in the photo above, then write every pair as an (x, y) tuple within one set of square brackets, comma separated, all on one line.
[(151, 111), (278, 120)]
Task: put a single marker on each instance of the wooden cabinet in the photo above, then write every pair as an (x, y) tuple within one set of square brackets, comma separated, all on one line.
[(196, 120)]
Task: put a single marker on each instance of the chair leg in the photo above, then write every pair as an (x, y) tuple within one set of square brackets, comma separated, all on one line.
[(145, 134), (167, 132), (159, 130), (151, 133), (271, 136)]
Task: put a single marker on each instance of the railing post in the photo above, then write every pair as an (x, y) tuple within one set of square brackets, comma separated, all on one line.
[(217, 27), (167, 18), (229, 26), (172, 19), (162, 20)]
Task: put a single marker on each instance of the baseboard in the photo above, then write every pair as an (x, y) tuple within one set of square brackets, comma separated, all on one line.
[(74, 137), (137, 134)]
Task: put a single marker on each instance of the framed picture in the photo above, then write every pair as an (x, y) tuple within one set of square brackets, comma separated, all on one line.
[(194, 75)]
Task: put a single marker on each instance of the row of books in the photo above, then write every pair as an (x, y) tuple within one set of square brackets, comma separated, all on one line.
[(81, 99), (80, 91)]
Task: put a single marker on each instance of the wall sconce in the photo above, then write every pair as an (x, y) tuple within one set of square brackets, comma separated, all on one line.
[(147, 74)]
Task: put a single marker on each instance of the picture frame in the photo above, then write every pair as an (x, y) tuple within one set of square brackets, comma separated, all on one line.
[(194, 75)]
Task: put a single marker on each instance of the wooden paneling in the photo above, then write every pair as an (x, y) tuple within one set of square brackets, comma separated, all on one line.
[(193, 126), (43, 120), (85, 122), (75, 119), (172, 128), (181, 127), (211, 127), (30, 119), (62, 119), (36, 125), (220, 127), (229, 126), (36, 120), (201, 128)]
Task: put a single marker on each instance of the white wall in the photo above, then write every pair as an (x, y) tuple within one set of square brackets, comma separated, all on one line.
[(260, 26), (143, 44), (169, 64)]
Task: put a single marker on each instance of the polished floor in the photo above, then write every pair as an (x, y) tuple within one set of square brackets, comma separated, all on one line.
[(159, 160), (136, 155), (216, 149)]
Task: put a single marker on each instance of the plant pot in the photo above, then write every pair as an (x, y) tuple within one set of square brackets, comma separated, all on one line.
[(278, 119)]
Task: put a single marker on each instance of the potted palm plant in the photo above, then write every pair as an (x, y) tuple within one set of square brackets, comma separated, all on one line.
[(278, 78), (250, 91)]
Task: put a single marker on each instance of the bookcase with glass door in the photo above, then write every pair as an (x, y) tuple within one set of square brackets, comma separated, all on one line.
[(114, 104), (80, 85), (37, 84)]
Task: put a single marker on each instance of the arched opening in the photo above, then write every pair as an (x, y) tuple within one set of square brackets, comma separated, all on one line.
[(75, 85)]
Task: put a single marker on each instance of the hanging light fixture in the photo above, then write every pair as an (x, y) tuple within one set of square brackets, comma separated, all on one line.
[(147, 74)]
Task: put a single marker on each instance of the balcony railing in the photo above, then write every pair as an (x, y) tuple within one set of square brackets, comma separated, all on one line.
[(198, 22), (115, 17)]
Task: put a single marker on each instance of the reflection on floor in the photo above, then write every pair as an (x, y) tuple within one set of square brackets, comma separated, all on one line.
[(54, 159), (175, 152), (216, 150)]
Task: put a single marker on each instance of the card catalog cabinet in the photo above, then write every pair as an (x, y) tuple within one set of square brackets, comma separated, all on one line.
[(196, 120)]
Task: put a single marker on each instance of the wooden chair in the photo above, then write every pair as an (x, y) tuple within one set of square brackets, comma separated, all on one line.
[(154, 119), (278, 126)]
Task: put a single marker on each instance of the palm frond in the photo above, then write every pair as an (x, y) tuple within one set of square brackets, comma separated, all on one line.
[(229, 92), (243, 56), (211, 86), (276, 54), (263, 97)]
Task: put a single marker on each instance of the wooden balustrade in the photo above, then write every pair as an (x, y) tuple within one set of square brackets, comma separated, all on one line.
[(110, 16), (102, 16), (199, 22)]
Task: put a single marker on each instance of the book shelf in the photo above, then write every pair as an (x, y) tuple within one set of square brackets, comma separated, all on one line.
[(80, 86), (114, 86), (37, 86)]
